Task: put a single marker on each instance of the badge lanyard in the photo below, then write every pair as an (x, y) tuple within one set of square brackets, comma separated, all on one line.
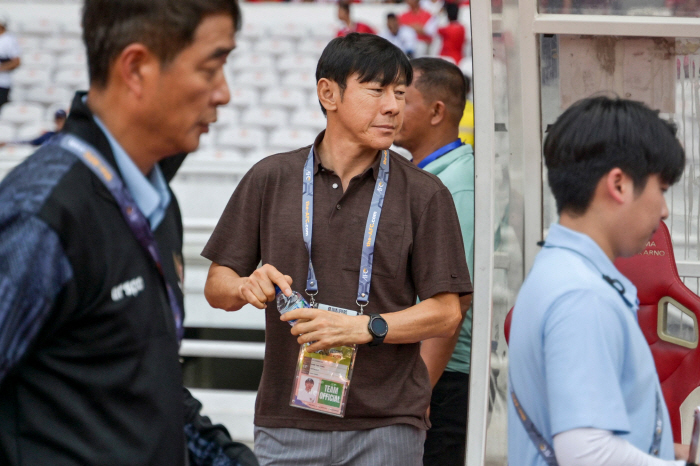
[(132, 214), (440, 152), (375, 212)]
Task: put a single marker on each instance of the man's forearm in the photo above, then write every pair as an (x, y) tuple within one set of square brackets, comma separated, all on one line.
[(220, 289), (436, 352), (437, 317), (10, 65)]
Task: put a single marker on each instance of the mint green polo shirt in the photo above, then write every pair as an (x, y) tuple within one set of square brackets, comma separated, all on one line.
[(456, 171)]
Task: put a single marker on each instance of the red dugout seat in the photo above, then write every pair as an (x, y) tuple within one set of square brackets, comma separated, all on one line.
[(668, 316)]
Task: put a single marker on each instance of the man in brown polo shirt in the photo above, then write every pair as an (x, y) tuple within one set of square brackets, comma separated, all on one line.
[(418, 253)]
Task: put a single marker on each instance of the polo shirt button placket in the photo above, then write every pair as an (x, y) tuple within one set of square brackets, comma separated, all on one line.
[(337, 206)]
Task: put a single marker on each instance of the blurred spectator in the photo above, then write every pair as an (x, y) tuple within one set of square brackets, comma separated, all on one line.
[(422, 22), (454, 35), (59, 119), (349, 25), (9, 58), (404, 37), (434, 7)]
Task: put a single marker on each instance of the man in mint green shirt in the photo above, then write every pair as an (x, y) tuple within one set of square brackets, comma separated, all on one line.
[(434, 106)]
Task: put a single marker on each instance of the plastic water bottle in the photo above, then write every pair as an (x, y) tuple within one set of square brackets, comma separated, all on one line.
[(288, 303)]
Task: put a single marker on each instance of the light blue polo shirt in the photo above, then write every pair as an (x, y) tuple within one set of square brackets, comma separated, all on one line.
[(151, 194), (577, 357)]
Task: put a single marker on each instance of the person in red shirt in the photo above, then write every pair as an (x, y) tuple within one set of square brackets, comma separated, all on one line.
[(454, 36), (417, 18), (349, 25)]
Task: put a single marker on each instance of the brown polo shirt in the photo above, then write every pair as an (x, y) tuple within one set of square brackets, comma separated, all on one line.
[(418, 253)]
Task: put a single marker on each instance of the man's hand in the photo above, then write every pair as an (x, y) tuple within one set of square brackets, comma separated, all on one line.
[(225, 289), (259, 288), (327, 329)]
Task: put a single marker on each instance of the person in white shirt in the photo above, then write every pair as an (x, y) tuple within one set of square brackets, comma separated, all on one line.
[(404, 37), (307, 394), (9, 59)]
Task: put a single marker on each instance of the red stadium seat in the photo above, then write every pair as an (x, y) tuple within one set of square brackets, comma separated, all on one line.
[(668, 316)]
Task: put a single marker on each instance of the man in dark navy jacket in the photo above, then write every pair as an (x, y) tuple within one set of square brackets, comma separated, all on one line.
[(90, 315)]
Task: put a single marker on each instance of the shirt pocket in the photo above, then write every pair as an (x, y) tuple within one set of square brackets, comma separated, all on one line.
[(388, 248)]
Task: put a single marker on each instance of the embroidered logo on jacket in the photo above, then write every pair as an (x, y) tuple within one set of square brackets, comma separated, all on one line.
[(129, 288)]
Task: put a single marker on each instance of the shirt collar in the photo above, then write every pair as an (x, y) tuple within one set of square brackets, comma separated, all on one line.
[(150, 193), (317, 160), (562, 237)]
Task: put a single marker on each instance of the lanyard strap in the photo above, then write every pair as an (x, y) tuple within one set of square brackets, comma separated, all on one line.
[(132, 214), (375, 212), (440, 152)]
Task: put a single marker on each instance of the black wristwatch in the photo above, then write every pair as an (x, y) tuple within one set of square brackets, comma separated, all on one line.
[(378, 328)]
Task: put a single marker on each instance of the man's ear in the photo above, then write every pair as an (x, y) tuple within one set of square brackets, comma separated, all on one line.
[(619, 186), (135, 66), (328, 94), (437, 112)]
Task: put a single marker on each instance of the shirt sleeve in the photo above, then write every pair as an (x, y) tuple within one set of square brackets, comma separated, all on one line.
[(584, 356), (235, 242), (439, 264), (33, 270), (596, 447)]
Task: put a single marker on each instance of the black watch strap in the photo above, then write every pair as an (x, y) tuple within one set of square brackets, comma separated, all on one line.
[(378, 329)]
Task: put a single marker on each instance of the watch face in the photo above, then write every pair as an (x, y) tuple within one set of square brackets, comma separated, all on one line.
[(379, 327)]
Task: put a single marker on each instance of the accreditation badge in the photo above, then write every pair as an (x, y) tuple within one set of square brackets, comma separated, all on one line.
[(322, 378)]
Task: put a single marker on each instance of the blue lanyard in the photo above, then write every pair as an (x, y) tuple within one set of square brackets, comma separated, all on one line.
[(134, 217), (375, 212), (440, 152)]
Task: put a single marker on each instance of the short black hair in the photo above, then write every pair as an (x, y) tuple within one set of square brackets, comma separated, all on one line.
[(452, 10), (391, 16), (166, 27), (371, 57), (443, 81), (597, 134)]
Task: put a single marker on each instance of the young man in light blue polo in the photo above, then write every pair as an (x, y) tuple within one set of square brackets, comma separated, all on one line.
[(583, 386)]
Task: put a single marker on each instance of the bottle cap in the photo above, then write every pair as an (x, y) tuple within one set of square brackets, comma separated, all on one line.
[(277, 290)]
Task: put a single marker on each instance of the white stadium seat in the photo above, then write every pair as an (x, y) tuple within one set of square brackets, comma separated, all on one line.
[(286, 139), (291, 31), (22, 113), (243, 46), (243, 96), (39, 27), (215, 155), (282, 97), (274, 46), (255, 79), (305, 80), (253, 30), (297, 62), (49, 95), (76, 77), (268, 117), (309, 118), (7, 132), (72, 59), (72, 28), (31, 131), (242, 138), (28, 44), (39, 60), (226, 116), (31, 76), (313, 46), (62, 43), (252, 62), (208, 140), (325, 31)]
